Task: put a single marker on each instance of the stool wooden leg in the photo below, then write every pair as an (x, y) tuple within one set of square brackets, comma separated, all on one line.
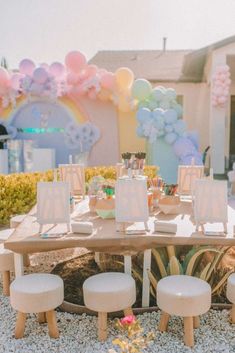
[(42, 318), (163, 321), (6, 283), (196, 321), (188, 331), (233, 314), (128, 312), (52, 324), (20, 325), (102, 326)]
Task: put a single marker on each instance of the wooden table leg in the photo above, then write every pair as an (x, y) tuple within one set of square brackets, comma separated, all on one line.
[(127, 264), (19, 264), (163, 321), (188, 331), (26, 260), (196, 321), (146, 282), (102, 326), (42, 318), (233, 314), (20, 325), (128, 311), (52, 324), (6, 283)]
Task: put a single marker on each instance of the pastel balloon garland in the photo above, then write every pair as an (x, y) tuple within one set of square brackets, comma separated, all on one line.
[(220, 86), (75, 77), (159, 116)]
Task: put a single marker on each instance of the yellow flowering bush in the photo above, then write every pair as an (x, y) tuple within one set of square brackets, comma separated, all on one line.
[(110, 172), (18, 191)]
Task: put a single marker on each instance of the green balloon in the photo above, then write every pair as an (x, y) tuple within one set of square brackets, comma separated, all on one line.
[(141, 89)]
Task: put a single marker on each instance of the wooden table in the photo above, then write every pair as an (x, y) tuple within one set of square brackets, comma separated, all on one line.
[(105, 238)]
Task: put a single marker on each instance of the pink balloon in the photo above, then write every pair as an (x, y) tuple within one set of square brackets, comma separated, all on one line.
[(72, 78), (4, 76), (16, 80), (57, 70), (40, 75), (101, 72), (91, 70), (224, 68), (26, 67), (222, 100), (222, 77), (75, 61), (107, 80), (228, 82), (217, 82)]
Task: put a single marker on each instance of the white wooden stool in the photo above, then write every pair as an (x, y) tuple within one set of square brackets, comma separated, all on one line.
[(14, 222), (37, 293), (6, 265), (109, 292), (184, 296), (231, 294)]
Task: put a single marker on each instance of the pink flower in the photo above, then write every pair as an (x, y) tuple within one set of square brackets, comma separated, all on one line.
[(128, 320)]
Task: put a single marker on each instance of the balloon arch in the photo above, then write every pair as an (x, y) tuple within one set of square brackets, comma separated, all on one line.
[(158, 113)]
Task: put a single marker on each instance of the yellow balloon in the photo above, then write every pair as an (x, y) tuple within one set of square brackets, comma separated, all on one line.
[(124, 103), (124, 78)]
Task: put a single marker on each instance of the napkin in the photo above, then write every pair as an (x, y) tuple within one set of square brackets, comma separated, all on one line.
[(82, 227), (165, 227)]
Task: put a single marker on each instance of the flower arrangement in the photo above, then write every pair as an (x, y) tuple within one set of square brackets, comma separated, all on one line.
[(126, 155), (95, 185), (109, 188), (132, 340), (140, 155)]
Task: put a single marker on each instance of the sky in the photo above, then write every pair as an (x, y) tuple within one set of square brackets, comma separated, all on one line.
[(45, 30)]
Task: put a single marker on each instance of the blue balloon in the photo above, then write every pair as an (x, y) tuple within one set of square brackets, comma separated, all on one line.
[(158, 94), (193, 136), (160, 133), (164, 104), (170, 116), (158, 113), (143, 115), (178, 108), (152, 104), (158, 124), (171, 93), (180, 127), (169, 128), (170, 138)]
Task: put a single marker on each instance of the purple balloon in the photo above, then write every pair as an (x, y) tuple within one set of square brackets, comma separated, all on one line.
[(184, 147)]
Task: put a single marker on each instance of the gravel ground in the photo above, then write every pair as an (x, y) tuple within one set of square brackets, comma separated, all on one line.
[(78, 333)]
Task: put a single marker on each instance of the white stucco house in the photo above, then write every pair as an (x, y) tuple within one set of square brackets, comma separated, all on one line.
[(190, 73)]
